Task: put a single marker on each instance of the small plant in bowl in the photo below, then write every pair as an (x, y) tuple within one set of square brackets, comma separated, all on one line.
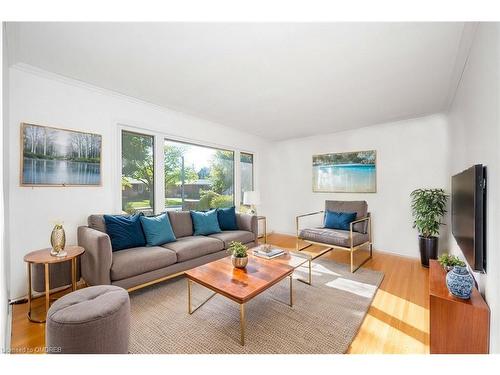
[(449, 261), (239, 256)]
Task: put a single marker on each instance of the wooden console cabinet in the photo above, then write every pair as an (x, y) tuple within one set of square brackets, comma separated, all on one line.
[(457, 326)]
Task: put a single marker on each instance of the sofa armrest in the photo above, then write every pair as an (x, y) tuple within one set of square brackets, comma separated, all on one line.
[(249, 223), (97, 258)]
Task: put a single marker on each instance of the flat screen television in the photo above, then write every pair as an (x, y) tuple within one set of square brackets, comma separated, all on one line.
[(468, 214)]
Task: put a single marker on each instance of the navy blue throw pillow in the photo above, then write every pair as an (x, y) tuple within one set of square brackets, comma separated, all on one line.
[(339, 220), (227, 218), (124, 231)]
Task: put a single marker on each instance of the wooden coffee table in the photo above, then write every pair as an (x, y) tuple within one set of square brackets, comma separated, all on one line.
[(239, 285), (293, 259)]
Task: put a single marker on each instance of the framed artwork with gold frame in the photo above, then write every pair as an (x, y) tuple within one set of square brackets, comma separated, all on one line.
[(59, 157)]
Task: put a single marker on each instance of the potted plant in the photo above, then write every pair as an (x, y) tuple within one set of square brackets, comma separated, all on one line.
[(449, 261), (428, 208), (239, 256)]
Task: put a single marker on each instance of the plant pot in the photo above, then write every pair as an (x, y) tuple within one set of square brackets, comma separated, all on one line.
[(428, 249), (239, 262), (460, 282)]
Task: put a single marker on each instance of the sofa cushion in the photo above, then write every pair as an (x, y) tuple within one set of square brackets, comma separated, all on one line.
[(125, 232), (339, 220), (205, 223), (227, 218), (333, 236), (181, 223), (360, 207), (194, 246), (97, 222), (157, 230), (138, 260), (229, 236)]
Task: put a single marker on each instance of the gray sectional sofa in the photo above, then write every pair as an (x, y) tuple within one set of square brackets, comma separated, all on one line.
[(140, 266)]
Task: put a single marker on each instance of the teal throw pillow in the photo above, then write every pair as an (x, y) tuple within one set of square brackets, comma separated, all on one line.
[(205, 223), (157, 230)]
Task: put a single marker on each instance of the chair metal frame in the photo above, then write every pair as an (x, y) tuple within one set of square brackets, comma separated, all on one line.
[(330, 247)]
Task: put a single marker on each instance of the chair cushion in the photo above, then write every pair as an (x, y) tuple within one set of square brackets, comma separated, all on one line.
[(194, 246), (136, 261), (181, 223), (205, 223), (360, 207), (333, 236), (157, 230), (227, 218), (125, 232), (228, 236), (339, 220)]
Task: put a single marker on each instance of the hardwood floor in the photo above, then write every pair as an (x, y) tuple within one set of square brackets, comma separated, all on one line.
[(397, 321)]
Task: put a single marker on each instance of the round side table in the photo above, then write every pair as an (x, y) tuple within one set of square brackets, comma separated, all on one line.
[(43, 257)]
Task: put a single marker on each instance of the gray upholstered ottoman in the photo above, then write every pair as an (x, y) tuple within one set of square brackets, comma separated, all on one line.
[(90, 320)]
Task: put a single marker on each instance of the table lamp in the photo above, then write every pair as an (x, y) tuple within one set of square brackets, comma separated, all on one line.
[(252, 199)]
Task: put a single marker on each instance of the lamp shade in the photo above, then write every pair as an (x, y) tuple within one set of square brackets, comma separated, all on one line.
[(251, 198)]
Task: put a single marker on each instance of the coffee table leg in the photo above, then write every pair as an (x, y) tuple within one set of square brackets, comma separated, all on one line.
[(242, 324), (310, 272), (47, 289), (291, 291), (189, 296)]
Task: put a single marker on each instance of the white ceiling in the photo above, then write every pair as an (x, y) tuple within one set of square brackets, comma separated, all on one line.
[(275, 80)]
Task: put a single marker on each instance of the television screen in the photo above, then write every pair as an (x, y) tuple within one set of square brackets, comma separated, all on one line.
[(467, 214)]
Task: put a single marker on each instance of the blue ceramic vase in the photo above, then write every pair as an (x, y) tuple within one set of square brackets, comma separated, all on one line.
[(460, 282)]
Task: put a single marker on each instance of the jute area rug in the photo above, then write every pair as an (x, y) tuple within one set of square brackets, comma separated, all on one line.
[(325, 316)]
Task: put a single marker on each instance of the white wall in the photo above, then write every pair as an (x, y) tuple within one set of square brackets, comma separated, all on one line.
[(45, 99), (4, 258), (410, 154), (475, 138)]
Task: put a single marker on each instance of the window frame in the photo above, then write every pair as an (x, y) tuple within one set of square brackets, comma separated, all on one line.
[(168, 139), (158, 157), (153, 146), (253, 174)]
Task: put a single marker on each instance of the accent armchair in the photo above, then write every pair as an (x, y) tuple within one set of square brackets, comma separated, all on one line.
[(358, 235)]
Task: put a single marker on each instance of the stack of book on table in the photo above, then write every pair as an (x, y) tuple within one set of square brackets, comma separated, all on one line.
[(269, 254)]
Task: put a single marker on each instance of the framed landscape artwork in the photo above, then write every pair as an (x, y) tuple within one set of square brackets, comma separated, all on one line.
[(347, 172), (59, 157)]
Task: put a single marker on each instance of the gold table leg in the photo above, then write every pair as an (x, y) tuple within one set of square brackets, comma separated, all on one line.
[(310, 271), (309, 276), (47, 289), (29, 295), (242, 324), (73, 274), (265, 230), (190, 309), (189, 296), (291, 291)]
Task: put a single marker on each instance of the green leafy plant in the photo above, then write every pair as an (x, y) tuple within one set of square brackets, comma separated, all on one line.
[(237, 249), (448, 260), (428, 208)]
